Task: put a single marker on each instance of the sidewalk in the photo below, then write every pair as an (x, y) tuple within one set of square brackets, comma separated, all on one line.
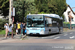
[(9, 39), (15, 37), (68, 30), (19, 36)]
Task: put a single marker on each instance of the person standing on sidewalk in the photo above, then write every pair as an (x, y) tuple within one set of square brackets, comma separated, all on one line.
[(17, 28), (21, 29), (24, 27), (6, 29), (10, 29)]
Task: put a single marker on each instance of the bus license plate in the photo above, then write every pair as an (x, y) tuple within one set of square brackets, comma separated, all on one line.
[(34, 33)]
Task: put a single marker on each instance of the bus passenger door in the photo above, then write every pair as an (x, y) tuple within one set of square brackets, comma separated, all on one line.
[(48, 25)]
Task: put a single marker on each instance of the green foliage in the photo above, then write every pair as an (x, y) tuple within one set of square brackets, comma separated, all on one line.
[(4, 7), (38, 6), (42, 13), (19, 10), (2, 22), (30, 5), (51, 6), (2, 32), (22, 9), (65, 22)]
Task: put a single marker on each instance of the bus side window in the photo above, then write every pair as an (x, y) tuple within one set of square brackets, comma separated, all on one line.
[(46, 23)]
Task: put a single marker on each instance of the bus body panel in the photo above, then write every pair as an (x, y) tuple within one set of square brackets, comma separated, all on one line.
[(50, 30)]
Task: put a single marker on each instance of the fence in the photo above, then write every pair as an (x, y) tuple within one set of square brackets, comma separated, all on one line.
[(68, 26)]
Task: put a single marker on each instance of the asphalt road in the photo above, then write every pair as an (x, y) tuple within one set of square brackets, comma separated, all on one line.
[(64, 41), (34, 46), (64, 35)]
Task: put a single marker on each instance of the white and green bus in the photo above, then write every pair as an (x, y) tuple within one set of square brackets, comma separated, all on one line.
[(43, 24)]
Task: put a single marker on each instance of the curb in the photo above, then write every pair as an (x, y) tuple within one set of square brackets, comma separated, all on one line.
[(2, 35)]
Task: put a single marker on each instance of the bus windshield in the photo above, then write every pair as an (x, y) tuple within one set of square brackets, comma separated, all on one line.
[(35, 22)]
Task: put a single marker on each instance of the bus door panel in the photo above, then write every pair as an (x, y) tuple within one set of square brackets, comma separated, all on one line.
[(52, 29), (46, 30), (55, 29)]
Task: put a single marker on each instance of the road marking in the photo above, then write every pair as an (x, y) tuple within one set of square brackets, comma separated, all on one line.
[(57, 37), (44, 37), (65, 34), (48, 37), (72, 37), (52, 36), (71, 33)]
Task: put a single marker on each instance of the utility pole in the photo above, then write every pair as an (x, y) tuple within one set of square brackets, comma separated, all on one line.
[(10, 11)]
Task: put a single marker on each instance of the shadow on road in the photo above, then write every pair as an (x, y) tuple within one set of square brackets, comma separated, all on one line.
[(43, 35)]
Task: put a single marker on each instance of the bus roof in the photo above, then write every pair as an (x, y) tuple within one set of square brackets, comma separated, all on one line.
[(49, 15)]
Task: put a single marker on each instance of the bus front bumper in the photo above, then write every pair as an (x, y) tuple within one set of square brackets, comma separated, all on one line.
[(38, 32)]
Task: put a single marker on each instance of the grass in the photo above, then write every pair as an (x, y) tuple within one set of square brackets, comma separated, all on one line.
[(2, 32)]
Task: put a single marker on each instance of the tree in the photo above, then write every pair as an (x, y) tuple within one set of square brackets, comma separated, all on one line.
[(19, 10), (4, 7), (41, 5), (24, 8), (51, 6)]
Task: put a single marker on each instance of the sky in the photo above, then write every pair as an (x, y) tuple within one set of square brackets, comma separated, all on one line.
[(71, 3)]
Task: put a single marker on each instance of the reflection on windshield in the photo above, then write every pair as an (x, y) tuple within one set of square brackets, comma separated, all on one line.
[(35, 23)]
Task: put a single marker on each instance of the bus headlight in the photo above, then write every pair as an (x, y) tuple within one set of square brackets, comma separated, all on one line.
[(42, 31), (27, 31)]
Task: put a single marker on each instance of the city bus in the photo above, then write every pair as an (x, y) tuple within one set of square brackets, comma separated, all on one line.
[(42, 24)]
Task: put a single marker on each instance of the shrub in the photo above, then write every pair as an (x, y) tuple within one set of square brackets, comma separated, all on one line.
[(65, 22), (2, 22), (42, 13)]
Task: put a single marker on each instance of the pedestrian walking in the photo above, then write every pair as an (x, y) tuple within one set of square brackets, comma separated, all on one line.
[(24, 31)]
